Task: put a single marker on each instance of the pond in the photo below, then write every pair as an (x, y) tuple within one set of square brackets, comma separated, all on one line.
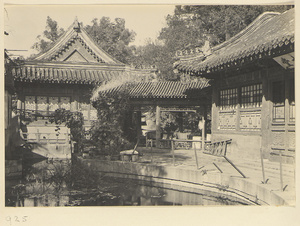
[(51, 184)]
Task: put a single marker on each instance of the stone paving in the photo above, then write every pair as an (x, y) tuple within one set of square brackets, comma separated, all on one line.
[(251, 168)]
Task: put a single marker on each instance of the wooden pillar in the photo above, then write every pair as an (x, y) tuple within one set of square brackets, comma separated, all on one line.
[(203, 134), (204, 112), (215, 108), (19, 104), (266, 115), (138, 116), (158, 120), (180, 121), (286, 111)]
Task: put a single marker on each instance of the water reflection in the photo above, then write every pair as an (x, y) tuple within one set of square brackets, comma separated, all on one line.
[(61, 184)]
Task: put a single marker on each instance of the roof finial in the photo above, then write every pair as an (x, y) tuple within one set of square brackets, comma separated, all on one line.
[(76, 24)]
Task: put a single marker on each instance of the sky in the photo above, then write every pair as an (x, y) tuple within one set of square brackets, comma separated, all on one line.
[(25, 22)]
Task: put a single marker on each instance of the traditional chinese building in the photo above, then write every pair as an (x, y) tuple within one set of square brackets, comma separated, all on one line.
[(10, 129), (165, 96), (252, 75), (64, 77)]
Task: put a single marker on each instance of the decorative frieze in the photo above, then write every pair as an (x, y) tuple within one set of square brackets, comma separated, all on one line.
[(250, 120), (292, 140), (278, 139), (227, 120)]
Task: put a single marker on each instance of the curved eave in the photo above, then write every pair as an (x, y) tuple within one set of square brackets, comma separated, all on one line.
[(237, 60), (33, 74), (163, 90), (268, 36)]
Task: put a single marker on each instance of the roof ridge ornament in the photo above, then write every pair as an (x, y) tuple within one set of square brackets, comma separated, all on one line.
[(201, 52), (76, 25)]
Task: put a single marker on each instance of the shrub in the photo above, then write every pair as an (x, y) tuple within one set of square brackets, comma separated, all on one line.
[(113, 131)]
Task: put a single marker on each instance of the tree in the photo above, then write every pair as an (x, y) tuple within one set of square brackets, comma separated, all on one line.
[(113, 37), (219, 22), (72, 120), (52, 33), (113, 132), (191, 25), (155, 53)]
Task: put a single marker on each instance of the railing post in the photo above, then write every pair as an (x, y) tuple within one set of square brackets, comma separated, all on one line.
[(280, 164), (234, 166), (262, 166), (196, 155), (173, 154), (203, 134), (151, 150)]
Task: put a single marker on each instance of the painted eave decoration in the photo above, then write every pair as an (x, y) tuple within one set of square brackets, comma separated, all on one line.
[(268, 36), (287, 61)]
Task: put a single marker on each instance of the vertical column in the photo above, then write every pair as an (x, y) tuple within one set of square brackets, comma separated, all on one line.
[(286, 111), (215, 108), (204, 112), (180, 121), (19, 104), (74, 104), (138, 115), (238, 109), (203, 134), (158, 120), (266, 116)]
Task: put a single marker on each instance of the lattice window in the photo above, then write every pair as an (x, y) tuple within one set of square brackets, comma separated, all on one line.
[(45, 105), (84, 109), (228, 98), (30, 103), (53, 103), (93, 114), (251, 96), (65, 102), (42, 103), (278, 92)]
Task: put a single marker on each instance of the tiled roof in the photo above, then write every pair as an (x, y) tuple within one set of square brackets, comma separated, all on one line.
[(62, 45), (63, 75), (166, 89), (268, 32), (75, 58), (69, 73)]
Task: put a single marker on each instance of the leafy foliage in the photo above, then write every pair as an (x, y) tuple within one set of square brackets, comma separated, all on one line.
[(169, 123), (158, 54), (191, 25), (73, 120), (52, 33), (112, 37), (113, 130), (217, 22)]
